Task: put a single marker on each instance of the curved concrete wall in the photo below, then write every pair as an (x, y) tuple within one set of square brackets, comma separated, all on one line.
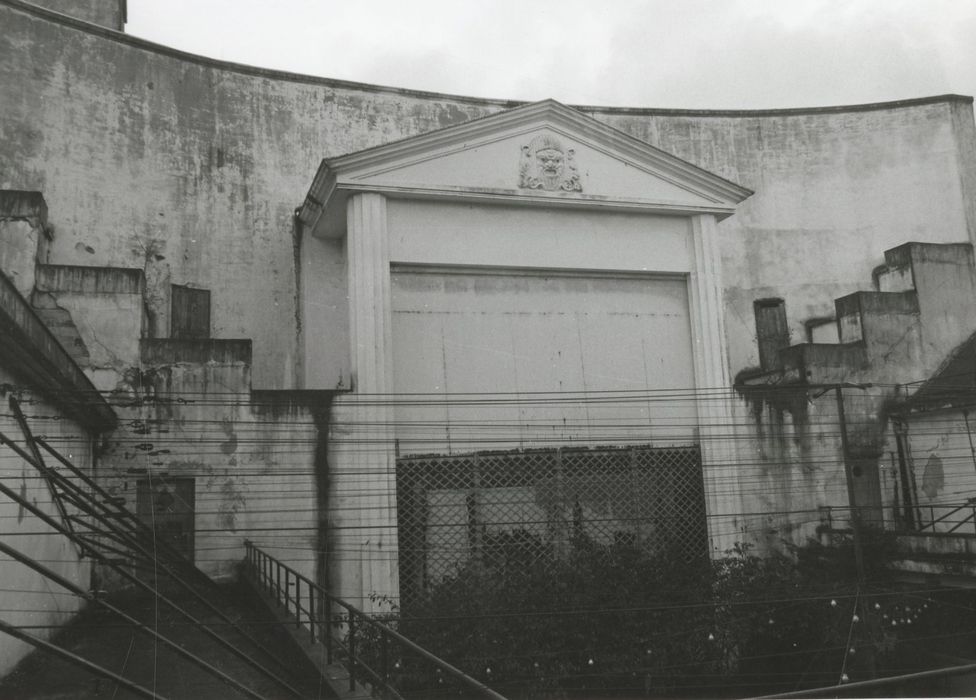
[(192, 168), (107, 13)]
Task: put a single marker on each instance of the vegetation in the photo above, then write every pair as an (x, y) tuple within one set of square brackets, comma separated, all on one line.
[(605, 621)]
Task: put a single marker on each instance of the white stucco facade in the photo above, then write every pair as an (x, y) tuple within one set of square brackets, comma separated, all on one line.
[(461, 275)]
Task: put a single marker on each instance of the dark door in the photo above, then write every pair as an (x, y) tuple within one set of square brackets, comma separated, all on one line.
[(167, 506), (191, 312)]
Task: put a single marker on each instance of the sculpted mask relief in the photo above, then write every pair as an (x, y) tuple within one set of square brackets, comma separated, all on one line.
[(546, 165)]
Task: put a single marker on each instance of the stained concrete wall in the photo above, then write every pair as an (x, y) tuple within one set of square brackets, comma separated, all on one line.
[(942, 465), (26, 597), (23, 237), (137, 145), (191, 414), (191, 169), (106, 13), (105, 310)]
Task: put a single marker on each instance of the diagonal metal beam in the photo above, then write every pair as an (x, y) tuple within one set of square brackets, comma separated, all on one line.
[(162, 565), (145, 629), (98, 556), (78, 661), (39, 460)]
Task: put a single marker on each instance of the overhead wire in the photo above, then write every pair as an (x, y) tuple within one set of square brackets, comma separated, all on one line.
[(202, 432)]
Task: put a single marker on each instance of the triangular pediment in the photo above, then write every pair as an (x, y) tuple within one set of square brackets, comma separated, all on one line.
[(540, 154)]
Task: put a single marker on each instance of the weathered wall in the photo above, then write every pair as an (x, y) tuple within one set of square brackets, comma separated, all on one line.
[(107, 13), (942, 463), (23, 237), (190, 169), (191, 414), (138, 146), (104, 308), (26, 597)]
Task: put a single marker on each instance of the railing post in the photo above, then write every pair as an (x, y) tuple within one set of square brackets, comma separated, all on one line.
[(311, 612), (352, 652), (298, 601), (277, 582), (384, 660), (328, 627)]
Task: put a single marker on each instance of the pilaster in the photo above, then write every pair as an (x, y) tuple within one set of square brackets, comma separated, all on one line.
[(717, 434), (362, 446)]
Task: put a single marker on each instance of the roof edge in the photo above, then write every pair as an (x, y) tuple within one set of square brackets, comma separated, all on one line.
[(284, 75)]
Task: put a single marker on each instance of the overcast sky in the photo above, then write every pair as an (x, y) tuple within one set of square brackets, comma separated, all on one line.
[(702, 54)]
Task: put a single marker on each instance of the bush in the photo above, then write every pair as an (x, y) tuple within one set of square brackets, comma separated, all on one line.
[(614, 619)]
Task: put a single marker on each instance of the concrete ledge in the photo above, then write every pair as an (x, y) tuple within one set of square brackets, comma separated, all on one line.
[(824, 363), (168, 351), (23, 204), (951, 253), (936, 554), (939, 544), (31, 351), (79, 279), (877, 302)]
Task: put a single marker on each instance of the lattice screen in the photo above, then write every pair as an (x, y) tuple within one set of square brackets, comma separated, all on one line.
[(459, 510)]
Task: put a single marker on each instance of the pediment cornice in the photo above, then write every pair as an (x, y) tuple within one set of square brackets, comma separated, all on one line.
[(489, 160)]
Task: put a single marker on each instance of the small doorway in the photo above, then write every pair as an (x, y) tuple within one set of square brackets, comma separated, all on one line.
[(167, 506), (190, 313)]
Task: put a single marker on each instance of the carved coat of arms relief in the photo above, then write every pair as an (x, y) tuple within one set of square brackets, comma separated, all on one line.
[(546, 165)]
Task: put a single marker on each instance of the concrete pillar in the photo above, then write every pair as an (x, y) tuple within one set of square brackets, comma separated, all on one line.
[(362, 445), (716, 418)]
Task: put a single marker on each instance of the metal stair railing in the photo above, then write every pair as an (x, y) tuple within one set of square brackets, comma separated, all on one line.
[(320, 612), (970, 503)]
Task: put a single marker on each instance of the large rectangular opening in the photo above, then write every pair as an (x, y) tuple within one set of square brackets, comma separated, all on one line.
[(476, 510)]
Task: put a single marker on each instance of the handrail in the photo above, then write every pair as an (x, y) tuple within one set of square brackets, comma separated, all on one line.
[(933, 521), (266, 572)]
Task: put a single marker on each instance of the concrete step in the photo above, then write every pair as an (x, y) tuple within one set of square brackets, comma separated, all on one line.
[(869, 317)]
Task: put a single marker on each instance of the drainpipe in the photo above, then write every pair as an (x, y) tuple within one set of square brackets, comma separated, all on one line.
[(851, 498), (909, 498)]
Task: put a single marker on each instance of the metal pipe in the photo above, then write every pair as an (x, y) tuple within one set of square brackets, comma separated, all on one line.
[(78, 661), (58, 527), (81, 593), (40, 465), (848, 471), (846, 690), (165, 568), (122, 512)]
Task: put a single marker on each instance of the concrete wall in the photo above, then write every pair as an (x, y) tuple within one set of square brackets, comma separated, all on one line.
[(191, 414), (943, 464), (106, 13), (190, 169), (26, 597), (135, 145), (105, 310), (23, 237)]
